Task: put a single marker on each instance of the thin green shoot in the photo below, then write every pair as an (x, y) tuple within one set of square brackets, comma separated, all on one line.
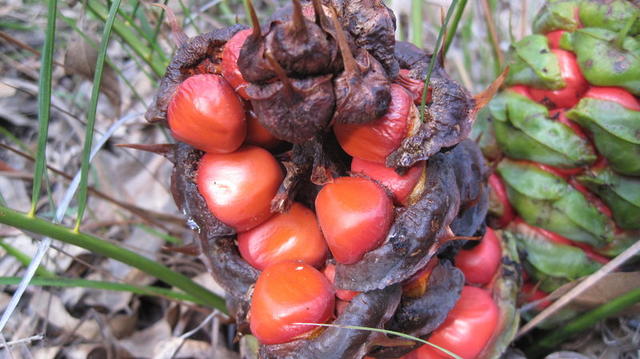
[(44, 104), (385, 331), (98, 246), (109, 286), (91, 116), (24, 260), (456, 20), (434, 58)]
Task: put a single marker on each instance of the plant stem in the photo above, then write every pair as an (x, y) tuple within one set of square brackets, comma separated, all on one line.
[(103, 285), (93, 106), (44, 103), (583, 322), (456, 20), (434, 59), (36, 225)]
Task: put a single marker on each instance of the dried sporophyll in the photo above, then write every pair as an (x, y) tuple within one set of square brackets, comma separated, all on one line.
[(362, 89), (201, 54), (413, 237), (421, 316), (448, 118), (299, 46), (294, 110), (421, 229), (373, 26)]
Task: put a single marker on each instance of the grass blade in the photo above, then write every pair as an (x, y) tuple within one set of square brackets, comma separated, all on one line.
[(91, 116), (36, 225), (454, 26), (24, 259), (110, 286), (385, 331), (44, 103), (434, 57), (129, 37)]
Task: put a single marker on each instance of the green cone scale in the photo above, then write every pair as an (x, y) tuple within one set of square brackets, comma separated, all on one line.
[(566, 145)]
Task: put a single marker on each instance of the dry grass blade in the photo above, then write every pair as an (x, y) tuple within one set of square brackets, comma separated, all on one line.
[(495, 42), (580, 288)]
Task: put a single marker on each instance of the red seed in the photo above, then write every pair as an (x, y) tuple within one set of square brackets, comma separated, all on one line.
[(480, 263), (575, 83), (230, 69), (287, 293), (374, 141), (355, 215), (238, 187), (206, 114), (400, 186), (290, 236)]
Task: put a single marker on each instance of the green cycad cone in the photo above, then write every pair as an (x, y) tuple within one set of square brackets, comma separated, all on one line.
[(532, 63), (545, 200), (557, 15), (525, 130), (607, 61), (620, 193), (615, 130)]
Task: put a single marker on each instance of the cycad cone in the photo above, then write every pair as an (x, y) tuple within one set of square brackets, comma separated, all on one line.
[(573, 172)]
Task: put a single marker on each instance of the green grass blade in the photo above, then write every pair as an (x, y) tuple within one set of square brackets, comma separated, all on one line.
[(385, 331), (434, 58), (44, 103), (36, 225), (24, 259), (451, 33), (103, 285), (130, 38), (91, 116)]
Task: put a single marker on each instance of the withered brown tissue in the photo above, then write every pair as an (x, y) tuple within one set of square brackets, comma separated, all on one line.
[(307, 70)]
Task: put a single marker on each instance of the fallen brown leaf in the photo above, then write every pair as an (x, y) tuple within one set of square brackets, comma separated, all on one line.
[(80, 59)]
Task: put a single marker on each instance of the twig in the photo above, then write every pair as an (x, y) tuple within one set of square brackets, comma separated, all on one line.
[(580, 288), (491, 26)]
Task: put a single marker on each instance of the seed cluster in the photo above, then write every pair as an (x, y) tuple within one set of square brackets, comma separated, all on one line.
[(564, 138), (318, 193)]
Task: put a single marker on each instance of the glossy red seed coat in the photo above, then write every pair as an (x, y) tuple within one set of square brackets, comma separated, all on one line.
[(230, 69), (355, 215), (575, 83), (554, 38), (206, 114), (467, 329), (287, 293), (374, 141), (615, 94), (238, 187), (258, 135), (499, 190), (399, 185), (521, 89), (290, 236), (480, 263)]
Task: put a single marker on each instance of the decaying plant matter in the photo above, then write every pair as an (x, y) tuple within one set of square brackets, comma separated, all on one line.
[(395, 197)]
